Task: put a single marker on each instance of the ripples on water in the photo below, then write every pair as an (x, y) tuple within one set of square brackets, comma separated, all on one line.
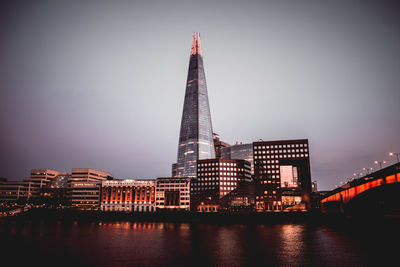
[(170, 244)]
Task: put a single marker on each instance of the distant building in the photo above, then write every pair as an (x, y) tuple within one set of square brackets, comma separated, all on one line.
[(239, 151), (173, 193), (30, 189), (282, 174), (84, 195), (55, 193), (174, 166), (216, 178), (128, 195), (314, 187), (84, 188), (218, 145), (88, 175), (41, 178), (11, 191)]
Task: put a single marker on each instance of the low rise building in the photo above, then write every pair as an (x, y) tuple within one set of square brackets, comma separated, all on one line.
[(88, 175), (41, 178), (30, 188), (12, 191), (128, 195), (84, 195), (84, 187), (173, 193)]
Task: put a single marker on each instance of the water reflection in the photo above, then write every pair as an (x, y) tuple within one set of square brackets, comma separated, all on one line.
[(171, 244), (291, 245)]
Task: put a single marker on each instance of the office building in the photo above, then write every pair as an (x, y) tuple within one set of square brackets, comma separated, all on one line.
[(84, 188), (128, 195), (88, 175), (282, 175), (84, 195), (55, 193), (216, 178), (239, 151), (41, 178), (195, 139), (12, 191), (173, 193)]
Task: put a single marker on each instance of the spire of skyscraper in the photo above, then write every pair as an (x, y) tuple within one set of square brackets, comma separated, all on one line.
[(195, 139), (196, 44)]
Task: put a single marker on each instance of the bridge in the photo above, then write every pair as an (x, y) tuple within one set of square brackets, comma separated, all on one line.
[(377, 190)]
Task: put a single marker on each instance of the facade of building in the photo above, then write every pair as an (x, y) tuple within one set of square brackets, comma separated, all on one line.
[(11, 191), (218, 145), (84, 187), (88, 175), (33, 188), (84, 195), (282, 175), (41, 178), (195, 139), (128, 195), (55, 193), (239, 151), (240, 199), (173, 193), (216, 178)]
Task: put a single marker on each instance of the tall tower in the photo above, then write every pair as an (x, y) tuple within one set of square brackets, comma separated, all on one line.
[(196, 135)]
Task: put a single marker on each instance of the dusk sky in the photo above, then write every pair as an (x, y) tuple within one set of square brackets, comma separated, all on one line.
[(101, 84)]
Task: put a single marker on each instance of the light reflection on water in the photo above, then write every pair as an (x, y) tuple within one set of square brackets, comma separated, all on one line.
[(292, 239), (172, 244)]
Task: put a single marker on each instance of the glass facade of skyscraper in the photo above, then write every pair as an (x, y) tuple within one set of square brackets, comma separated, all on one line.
[(195, 139)]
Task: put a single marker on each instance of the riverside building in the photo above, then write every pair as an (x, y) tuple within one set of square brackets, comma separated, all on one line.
[(84, 188), (29, 188), (173, 193), (88, 175), (216, 178), (128, 195), (11, 191), (282, 175), (40, 179), (84, 195)]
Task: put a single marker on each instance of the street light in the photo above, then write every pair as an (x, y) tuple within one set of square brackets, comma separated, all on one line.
[(367, 170), (395, 153), (380, 163)]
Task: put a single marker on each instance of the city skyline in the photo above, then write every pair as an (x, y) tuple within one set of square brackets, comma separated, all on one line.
[(102, 92)]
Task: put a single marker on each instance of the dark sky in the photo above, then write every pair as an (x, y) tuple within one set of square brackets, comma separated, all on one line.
[(100, 84)]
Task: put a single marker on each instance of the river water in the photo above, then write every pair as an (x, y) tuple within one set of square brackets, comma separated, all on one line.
[(336, 243)]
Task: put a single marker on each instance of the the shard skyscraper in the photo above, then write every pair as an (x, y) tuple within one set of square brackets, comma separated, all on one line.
[(195, 139)]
